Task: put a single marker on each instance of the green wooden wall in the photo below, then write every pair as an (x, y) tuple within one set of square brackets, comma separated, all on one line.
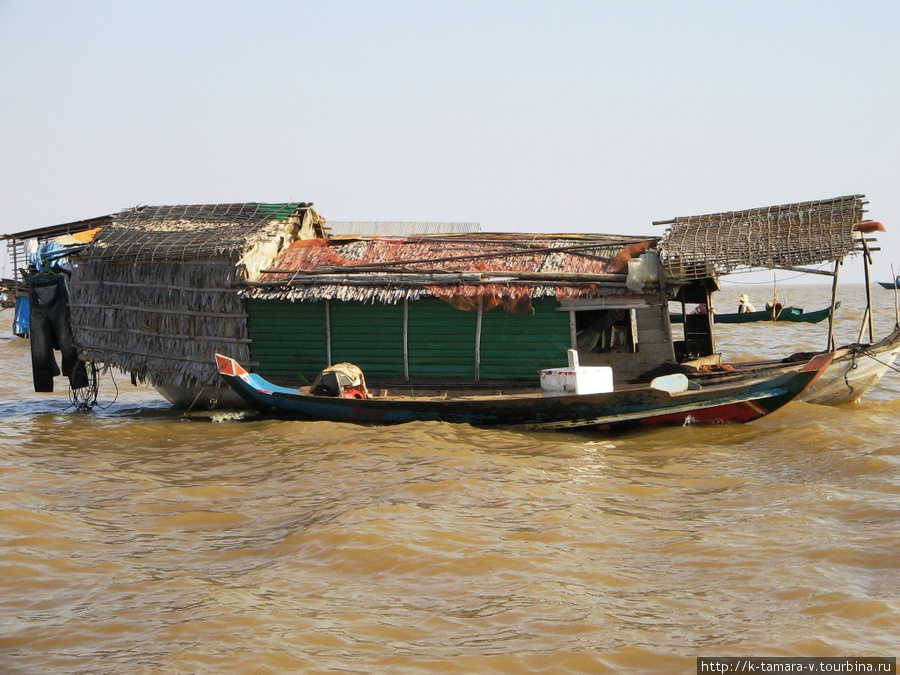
[(368, 336), (289, 338), (519, 345)]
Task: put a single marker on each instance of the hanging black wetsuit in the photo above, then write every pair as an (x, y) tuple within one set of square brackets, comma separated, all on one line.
[(50, 328)]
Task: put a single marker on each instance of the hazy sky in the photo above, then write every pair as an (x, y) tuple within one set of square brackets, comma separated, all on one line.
[(523, 116)]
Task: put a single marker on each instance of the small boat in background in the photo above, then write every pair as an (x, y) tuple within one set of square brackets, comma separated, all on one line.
[(890, 284), (795, 314)]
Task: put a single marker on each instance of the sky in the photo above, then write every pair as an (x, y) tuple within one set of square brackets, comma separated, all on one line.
[(523, 116)]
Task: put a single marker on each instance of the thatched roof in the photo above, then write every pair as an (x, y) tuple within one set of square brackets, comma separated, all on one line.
[(771, 237), (196, 232), (498, 268)]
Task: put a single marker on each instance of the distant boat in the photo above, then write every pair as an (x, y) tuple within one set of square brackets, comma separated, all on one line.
[(891, 284), (795, 314)]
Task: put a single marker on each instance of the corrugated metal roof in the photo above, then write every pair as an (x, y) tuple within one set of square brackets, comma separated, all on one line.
[(60, 230), (513, 253), (507, 268), (398, 228)]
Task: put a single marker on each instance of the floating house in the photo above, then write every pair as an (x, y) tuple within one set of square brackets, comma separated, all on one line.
[(156, 291)]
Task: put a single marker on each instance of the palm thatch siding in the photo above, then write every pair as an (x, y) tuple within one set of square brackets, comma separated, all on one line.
[(156, 294), (161, 322)]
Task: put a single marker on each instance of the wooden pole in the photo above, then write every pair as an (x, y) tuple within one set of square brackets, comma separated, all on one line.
[(834, 283), (896, 308), (328, 332), (406, 339), (867, 260), (478, 339), (775, 311)]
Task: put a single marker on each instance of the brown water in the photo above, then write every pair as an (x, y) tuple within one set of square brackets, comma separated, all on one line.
[(134, 541)]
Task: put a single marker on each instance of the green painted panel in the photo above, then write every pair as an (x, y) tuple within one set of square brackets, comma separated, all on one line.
[(288, 337), (441, 340), (519, 345), (368, 336)]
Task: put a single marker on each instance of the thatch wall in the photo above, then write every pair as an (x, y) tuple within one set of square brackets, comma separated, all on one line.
[(162, 322), (156, 293)]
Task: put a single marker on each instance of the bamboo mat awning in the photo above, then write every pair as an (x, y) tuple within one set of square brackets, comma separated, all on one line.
[(188, 232), (772, 237)]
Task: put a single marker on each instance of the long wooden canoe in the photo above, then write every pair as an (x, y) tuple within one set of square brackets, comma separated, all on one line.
[(656, 403)]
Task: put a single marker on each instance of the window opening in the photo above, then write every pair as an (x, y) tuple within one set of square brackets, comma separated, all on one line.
[(606, 330)]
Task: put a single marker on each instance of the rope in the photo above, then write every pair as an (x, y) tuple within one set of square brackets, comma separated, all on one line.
[(738, 282), (853, 366), (871, 355), (84, 399)]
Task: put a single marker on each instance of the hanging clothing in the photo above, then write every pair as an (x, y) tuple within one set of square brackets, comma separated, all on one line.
[(23, 316), (50, 329)]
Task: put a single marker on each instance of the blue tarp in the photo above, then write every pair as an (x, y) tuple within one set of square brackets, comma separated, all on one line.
[(23, 316)]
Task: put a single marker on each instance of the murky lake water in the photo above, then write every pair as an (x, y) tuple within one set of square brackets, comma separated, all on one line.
[(134, 541)]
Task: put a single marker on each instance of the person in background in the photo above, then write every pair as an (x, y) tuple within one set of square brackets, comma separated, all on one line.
[(745, 305)]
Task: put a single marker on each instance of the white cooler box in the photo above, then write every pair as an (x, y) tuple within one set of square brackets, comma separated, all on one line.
[(575, 379)]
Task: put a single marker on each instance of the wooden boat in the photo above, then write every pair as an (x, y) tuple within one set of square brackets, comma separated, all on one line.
[(853, 370), (669, 400), (891, 284), (795, 314)]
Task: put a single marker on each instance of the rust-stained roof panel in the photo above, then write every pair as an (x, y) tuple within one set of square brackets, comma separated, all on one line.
[(565, 254), (474, 270)]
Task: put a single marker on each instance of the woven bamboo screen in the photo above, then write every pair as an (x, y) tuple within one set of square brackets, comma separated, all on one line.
[(772, 237), (187, 232)]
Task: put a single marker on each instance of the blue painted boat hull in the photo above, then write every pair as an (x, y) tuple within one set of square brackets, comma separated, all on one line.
[(734, 402)]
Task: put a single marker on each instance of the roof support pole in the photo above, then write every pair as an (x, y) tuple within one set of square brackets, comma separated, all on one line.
[(573, 332), (664, 299), (867, 261), (478, 339), (834, 283), (406, 339), (328, 332), (896, 308)]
